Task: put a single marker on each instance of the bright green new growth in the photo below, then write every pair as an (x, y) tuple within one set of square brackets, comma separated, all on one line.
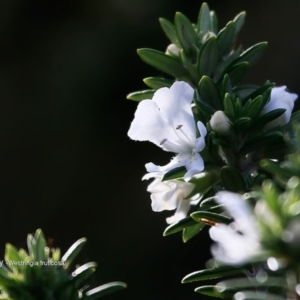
[(42, 273)]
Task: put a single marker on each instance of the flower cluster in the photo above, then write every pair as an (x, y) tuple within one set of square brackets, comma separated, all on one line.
[(168, 121)]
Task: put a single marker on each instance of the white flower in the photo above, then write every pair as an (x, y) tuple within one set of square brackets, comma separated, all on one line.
[(240, 241), (170, 195), (168, 122), (220, 123), (280, 98), (173, 50)]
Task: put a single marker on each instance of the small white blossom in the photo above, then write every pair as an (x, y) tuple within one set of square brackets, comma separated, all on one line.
[(280, 98), (220, 123), (170, 195), (240, 241), (167, 121), (173, 50)]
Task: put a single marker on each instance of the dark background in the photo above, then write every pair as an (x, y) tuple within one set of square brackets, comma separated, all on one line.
[(66, 164)]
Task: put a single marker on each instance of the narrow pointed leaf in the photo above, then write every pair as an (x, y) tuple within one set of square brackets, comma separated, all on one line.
[(40, 245), (255, 107), (180, 225), (84, 272), (237, 72), (185, 32), (244, 90), (241, 283), (105, 289), (190, 232), (229, 106), (209, 93), (243, 124), (73, 251), (204, 107), (174, 173), (226, 86), (156, 83), (226, 38), (141, 95), (232, 179), (208, 57), (204, 19), (170, 31), (268, 117), (252, 54), (203, 216), (239, 21), (208, 274), (214, 22), (162, 62), (260, 91), (260, 141), (210, 290)]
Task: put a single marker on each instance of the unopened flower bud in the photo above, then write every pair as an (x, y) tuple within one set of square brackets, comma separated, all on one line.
[(220, 123), (173, 50)]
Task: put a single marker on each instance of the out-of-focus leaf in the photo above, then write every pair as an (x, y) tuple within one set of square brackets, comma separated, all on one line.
[(185, 32), (170, 31), (226, 38), (141, 95), (209, 217), (218, 272), (232, 179), (156, 83), (162, 62), (105, 289)]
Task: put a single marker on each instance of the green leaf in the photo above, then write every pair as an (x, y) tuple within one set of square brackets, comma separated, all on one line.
[(208, 202), (244, 91), (241, 283), (265, 89), (105, 289), (255, 107), (260, 141), (73, 252), (209, 290), (141, 95), (156, 83), (268, 117), (209, 93), (190, 232), (209, 217), (162, 62), (180, 225), (208, 57), (208, 274), (226, 38), (169, 31), (239, 21), (174, 173), (40, 245), (214, 22), (226, 86), (31, 244), (275, 168), (252, 54), (256, 295), (204, 19), (237, 72), (204, 107), (185, 32), (243, 124), (229, 106), (232, 179)]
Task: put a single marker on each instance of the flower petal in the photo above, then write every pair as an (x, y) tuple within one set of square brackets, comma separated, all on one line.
[(181, 212), (194, 164), (175, 104), (176, 162), (200, 141), (150, 124)]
